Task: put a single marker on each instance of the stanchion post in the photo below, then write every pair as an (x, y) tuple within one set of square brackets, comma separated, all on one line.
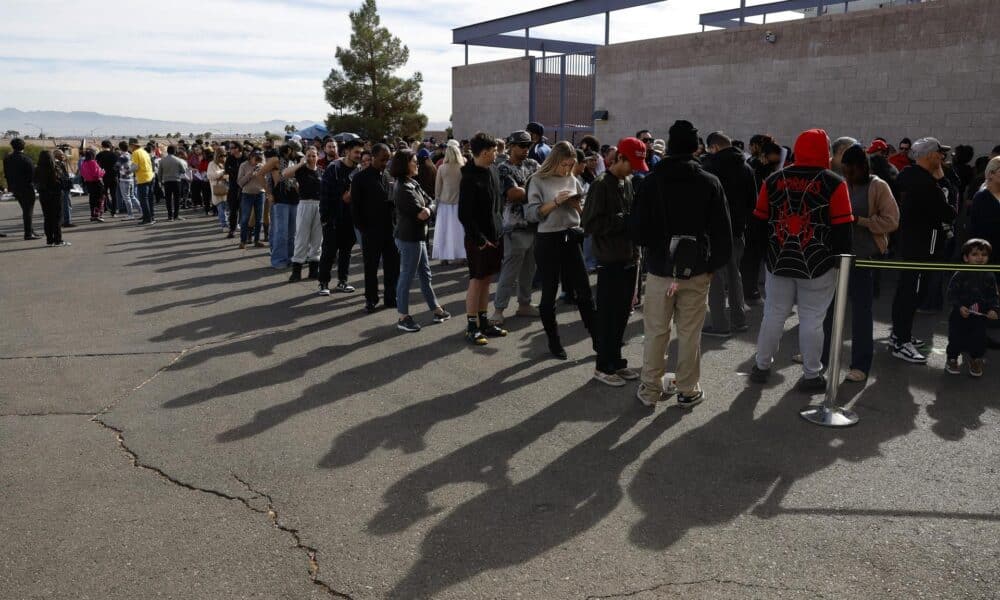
[(829, 414)]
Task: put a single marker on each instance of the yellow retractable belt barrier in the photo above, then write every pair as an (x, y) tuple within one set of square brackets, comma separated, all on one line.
[(903, 265)]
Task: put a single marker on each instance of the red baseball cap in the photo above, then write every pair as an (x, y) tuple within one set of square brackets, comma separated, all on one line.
[(635, 151), (877, 146)]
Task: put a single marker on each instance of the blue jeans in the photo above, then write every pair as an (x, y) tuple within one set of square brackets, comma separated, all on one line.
[(248, 202), (282, 234), (413, 261), (145, 193), (860, 292), (126, 196), (223, 218), (67, 204)]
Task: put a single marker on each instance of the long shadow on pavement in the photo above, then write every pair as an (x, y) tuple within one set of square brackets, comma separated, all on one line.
[(509, 524), (405, 429), (735, 463)]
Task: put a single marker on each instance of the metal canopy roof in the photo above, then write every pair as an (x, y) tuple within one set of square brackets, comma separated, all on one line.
[(491, 33), (495, 33), (736, 17)]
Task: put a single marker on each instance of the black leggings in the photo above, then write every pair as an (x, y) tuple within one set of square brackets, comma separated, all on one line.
[(560, 259)]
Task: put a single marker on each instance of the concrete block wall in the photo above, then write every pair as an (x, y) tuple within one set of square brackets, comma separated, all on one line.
[(923, 69), (491, 97)]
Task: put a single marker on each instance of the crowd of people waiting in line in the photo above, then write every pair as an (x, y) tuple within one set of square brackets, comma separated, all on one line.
[(680, 227)]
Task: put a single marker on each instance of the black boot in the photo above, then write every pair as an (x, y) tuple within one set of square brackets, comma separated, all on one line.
[(296, 272), (489, 329), (313, 269), (472, 333), (552, 333)]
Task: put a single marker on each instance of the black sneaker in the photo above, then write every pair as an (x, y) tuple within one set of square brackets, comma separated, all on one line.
[(492, 330), (741, 328), (441, 317), (716, 332), (813, 385), (344, 288), (690, 400), (371, 307), (952, 367), (476, 337), (758, 375), (407, 324), (919, 344)]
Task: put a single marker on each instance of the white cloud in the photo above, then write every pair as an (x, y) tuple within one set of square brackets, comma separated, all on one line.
[(248, 60)]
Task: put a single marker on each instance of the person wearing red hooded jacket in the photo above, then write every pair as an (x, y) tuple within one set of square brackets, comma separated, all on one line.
[(803, 217)]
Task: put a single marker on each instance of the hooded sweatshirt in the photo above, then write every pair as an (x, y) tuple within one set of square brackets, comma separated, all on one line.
[(680, 199), (805, 210), (479, 204)]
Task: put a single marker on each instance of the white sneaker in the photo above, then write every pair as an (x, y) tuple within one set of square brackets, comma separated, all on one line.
[(909, 353), (610, 379), (324, 291)]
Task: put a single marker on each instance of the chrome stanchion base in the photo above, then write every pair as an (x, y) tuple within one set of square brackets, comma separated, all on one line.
[(829, 417)]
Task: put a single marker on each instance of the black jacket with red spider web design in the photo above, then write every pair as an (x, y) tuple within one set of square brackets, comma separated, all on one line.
[(806, 215)]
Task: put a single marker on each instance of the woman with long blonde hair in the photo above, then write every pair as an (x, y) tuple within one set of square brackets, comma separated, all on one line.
[(449, 235), (555, 202)]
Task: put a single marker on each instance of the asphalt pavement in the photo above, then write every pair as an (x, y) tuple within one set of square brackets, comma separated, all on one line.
[(178, 421)]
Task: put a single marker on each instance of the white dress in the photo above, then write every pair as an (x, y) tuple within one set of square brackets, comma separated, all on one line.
[(449, 235)]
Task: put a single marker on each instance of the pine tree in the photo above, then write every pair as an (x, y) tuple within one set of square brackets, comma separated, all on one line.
[(371, 100)]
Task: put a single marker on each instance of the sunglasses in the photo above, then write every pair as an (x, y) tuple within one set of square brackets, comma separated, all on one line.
[(646, 140)]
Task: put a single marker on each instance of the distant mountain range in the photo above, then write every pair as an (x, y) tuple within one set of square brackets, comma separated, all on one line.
[(62, 124), (66, 124)]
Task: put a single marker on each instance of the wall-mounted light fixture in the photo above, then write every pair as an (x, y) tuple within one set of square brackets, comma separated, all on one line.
[(600, 115)]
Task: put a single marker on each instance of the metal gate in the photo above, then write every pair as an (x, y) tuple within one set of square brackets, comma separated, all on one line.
[(562, 95)]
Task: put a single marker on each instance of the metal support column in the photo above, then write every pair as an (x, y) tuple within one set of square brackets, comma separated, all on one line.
[(562, 96), (527, 40), (466, 53), (607, 28), (743, 10), (532, 89)]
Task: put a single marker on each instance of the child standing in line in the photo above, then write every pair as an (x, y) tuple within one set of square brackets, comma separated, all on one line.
[(974, 299)]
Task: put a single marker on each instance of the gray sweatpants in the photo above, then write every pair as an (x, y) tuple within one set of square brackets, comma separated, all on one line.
[(517, 269), (727, 281), (308, 232), (813, 297)]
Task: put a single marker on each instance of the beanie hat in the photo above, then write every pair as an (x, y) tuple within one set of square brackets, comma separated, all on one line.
[(683, 138)]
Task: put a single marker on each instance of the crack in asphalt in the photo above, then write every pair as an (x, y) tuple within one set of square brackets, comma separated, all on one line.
[(310, 551), (54, 413), (247, 503), (270, 511), (89, 355), (717, 580)]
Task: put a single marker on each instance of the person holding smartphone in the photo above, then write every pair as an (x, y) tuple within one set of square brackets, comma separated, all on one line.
[(555, 202)]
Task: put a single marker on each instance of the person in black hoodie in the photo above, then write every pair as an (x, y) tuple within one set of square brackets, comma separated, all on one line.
[(605, 214), (803, 218), (479, 210), (232, 169), (19, 171), (737, 178), (924, 212), (335, 214), (107, 159), (50, 182), (375, 217), (682, 220)]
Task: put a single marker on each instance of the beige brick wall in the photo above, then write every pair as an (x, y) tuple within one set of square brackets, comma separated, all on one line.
[(491, 97), (926, 69)]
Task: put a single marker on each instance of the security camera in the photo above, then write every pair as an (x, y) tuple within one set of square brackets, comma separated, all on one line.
[(770, 37)]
